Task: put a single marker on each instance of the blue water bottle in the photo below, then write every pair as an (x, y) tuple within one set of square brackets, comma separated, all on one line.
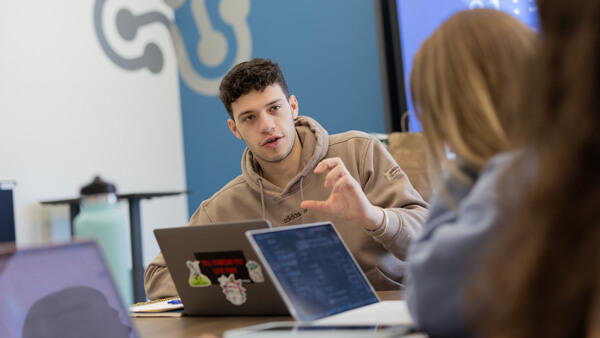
[(100, 219)]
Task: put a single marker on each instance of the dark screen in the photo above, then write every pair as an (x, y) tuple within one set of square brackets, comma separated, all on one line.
[(216, 264)]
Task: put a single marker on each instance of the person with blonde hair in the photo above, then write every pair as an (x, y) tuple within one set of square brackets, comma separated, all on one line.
[(463, 83), (543, 278)]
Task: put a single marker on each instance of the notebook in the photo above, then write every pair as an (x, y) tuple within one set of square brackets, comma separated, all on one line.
[(216, 272), (60, 290), (164, 307), (319, 279)]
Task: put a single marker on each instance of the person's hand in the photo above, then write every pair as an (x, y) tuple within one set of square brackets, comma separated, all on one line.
[(347, 199)]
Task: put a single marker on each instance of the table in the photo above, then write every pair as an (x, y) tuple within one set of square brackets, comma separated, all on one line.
[(148, 327), (135, 225)]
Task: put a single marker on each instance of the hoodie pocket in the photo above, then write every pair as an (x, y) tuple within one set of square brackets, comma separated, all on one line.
[(380, 281)]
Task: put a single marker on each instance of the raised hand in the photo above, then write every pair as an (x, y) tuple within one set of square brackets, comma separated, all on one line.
[(347, 199)]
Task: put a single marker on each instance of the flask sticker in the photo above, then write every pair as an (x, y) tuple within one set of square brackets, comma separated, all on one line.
[(255, 271), (197, 279), (234, 292)]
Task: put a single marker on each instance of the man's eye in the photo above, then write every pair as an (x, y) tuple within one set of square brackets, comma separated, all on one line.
[(248, 118), (276, 108)]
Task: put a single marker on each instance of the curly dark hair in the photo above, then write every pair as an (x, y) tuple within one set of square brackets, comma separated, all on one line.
[(256, 74)]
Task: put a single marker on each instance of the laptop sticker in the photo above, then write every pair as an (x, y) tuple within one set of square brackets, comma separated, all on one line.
[(197, 279), (255, 271), (234, 292), (218, 263)]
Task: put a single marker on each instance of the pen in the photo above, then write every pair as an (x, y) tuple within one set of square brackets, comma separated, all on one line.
[(174, 301)]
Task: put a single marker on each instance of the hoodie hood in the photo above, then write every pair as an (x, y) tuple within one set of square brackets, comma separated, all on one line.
[(315, 142)]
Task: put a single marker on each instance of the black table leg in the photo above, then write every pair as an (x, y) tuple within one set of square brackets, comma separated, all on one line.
[(135, 224), (73, 211), (137, 271)]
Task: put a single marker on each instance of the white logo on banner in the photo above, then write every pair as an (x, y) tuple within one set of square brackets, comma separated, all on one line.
[(211, 49)]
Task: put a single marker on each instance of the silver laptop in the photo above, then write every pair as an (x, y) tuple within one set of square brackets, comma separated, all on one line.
[(216, 272), (318, 278), (61, 290)]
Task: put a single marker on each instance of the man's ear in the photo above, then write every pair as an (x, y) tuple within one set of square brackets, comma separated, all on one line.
[(233, 128), (294, 104)]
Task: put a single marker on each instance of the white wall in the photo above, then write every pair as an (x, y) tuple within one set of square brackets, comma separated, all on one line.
[(68, 113)]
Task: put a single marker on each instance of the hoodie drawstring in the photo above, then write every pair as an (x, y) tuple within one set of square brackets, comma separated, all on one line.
[(262, 198), (301, 199)]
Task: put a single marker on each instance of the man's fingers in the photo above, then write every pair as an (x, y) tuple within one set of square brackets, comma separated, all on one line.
[(333, 176), (321, 167), (312, 205), (327, 164), (343, 183)]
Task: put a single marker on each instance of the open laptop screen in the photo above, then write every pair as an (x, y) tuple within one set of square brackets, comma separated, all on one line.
[(313, 269), (61, 290)]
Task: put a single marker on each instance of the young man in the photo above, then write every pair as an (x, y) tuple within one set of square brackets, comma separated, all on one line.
[(294, 172)]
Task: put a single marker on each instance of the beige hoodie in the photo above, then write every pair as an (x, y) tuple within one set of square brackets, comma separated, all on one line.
[(249, 196)]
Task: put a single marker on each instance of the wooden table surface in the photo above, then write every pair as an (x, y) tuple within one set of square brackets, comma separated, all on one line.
[(213, 326)]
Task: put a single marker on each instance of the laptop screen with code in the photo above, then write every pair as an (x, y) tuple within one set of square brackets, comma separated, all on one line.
[(314, 269)]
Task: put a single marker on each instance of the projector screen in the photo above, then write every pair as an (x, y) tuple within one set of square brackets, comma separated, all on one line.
[(405, 24)]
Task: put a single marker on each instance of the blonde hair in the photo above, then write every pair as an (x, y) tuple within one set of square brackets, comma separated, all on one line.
[(462, 81), (555, 232)]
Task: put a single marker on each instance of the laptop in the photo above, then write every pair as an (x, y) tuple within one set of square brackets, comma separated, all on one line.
[(60, 290), (216, 272), (318, 278)]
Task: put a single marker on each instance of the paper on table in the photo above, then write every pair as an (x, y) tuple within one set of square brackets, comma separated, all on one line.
[(388, 312), (172, 313), (159, 305)]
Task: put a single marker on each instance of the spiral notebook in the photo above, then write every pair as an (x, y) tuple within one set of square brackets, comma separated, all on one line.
[(164, 307)]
